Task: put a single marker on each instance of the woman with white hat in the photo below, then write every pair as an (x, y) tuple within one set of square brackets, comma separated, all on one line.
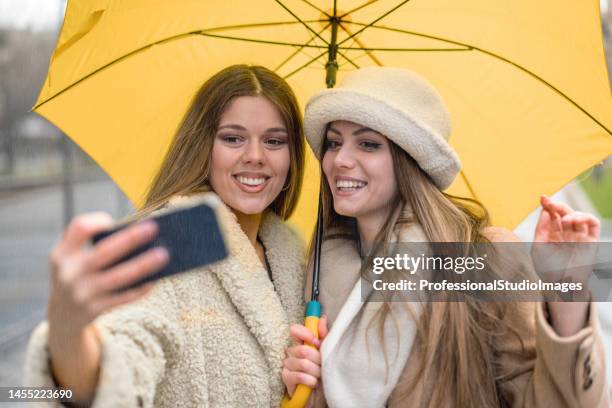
[(382, 140)]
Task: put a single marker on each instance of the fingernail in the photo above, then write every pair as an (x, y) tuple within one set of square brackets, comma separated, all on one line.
[(161, 254), (150, 227)]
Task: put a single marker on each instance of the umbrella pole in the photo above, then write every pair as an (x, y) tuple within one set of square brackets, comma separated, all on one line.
[(331, 68), (317, 253), (313, 308)]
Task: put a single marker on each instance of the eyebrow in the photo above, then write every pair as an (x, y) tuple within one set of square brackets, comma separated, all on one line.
[(355, 133), (364, 130), (238, 127)]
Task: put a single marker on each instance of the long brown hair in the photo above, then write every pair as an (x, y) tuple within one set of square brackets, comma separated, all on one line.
[(454, 339), (186, 167)]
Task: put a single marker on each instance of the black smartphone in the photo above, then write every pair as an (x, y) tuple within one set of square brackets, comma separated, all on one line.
[(191, 235)]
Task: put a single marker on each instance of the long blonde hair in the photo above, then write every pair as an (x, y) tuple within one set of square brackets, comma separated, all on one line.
[(186, 167), (454, 339)]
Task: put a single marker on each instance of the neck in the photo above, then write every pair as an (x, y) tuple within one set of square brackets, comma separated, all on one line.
[(369, 227), (250, 225)]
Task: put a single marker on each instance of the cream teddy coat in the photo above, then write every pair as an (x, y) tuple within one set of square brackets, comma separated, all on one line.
[(211, 337)]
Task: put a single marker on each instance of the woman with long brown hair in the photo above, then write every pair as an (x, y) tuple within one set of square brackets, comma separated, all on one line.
[(382, 140), (213, 336)]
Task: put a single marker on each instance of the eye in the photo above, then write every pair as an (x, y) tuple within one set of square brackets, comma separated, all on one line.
[(231, 139), (332, 144), (369, 145), (275, 142)]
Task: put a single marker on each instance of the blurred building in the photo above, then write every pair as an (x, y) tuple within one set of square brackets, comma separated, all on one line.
[(606, 21)]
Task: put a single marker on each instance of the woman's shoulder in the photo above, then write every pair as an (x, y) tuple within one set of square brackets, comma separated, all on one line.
[(409, 232)]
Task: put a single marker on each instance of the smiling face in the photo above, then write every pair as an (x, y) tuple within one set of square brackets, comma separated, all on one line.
[(359, 169), (250, 155)]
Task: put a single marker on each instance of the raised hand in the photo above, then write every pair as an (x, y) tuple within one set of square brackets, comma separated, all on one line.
[(566, 256), (562, 238), (559, 223), (84, 285)]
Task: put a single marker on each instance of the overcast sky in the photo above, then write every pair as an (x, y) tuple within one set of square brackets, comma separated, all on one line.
[(35, 14), (44, 14)]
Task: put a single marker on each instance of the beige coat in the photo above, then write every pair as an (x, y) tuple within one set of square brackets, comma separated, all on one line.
[(553, 371), (211, 337)]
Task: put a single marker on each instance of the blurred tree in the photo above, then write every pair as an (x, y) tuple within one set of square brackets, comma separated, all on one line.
[(24, 59)]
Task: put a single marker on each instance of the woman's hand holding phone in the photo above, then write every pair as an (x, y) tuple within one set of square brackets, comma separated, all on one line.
[(85, 284)]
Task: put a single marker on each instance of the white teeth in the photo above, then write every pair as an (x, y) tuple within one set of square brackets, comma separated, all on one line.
[(250, 181), (349, 184)]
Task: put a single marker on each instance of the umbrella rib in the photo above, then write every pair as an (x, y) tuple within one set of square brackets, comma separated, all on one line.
[(316, 8), (239, 26), (345, 61), (373, 22), (468, 185), (367, 3), (301, 21), (491, 54), (260, 41), (367, 49), (299, 49), (432, 37), (361, 45), (175, 37), (295, 71), (350, 61), (551, 86)]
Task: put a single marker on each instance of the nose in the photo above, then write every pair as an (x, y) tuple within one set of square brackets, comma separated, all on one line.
[(253, 153), (345, 157)]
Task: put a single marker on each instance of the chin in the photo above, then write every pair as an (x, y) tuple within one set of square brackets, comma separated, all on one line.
[(346, 212), (251, 208)]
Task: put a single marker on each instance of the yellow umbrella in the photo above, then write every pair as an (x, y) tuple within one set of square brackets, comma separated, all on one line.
[(525, 81)]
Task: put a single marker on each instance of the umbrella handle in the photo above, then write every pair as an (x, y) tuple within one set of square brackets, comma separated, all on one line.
[(302, 392)]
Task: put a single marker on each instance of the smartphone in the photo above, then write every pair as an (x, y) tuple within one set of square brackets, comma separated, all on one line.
[(191, 235)]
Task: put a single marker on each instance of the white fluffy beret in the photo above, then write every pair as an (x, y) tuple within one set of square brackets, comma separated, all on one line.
[(397, 103)]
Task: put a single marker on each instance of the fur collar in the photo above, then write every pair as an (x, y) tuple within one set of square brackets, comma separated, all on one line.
[(355, 371), (267, 308)]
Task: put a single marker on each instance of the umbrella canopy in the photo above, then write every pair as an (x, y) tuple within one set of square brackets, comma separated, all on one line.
[(525, 81)]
